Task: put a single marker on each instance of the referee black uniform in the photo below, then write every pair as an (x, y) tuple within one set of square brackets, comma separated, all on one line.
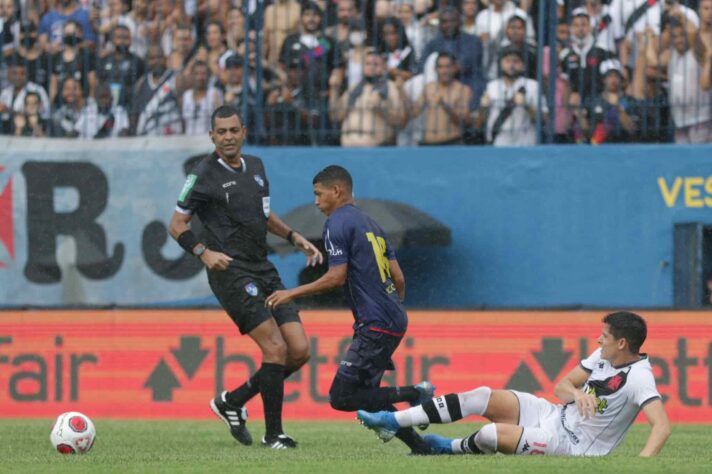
[(234, 204)]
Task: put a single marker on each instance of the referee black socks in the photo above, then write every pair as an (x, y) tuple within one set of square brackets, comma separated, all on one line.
[(271, 386), (244, 393)]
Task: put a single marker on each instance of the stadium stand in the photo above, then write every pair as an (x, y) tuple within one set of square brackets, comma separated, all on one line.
[(625, 71)]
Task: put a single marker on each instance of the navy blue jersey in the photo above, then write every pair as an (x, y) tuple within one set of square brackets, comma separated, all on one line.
[(353, 238)]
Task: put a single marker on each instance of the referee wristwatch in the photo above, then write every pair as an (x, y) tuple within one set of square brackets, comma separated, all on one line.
[(199, 250)]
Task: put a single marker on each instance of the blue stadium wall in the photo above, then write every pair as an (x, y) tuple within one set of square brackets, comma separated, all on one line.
[(554, 226)]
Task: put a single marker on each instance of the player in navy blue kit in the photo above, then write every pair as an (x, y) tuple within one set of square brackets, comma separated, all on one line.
[(361, 260)]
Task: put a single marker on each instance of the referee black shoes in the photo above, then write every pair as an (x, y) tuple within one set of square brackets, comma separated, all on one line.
[(234, 418), (281, 441)]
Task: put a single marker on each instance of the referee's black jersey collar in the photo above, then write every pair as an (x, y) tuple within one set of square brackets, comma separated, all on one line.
[(226, 165)]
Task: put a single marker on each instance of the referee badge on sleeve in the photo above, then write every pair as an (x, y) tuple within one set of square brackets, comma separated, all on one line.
[(251, 289), (189, 183), (265, 206)]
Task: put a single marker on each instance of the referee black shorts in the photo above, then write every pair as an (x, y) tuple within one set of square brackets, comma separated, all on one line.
[(242, 295)]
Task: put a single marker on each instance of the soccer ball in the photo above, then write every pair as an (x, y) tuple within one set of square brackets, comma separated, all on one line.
[(72, 433)]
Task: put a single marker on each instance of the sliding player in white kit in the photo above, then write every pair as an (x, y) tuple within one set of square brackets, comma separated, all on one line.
[(601, 399)]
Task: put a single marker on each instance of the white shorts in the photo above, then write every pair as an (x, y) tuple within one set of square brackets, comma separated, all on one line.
[(546, 432)]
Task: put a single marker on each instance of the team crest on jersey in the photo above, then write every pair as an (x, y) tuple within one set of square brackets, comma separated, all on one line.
[(609, 385), (601, 403), (251, 289), (259, 180)]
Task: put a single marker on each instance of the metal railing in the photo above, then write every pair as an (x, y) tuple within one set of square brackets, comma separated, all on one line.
[(344, 75)]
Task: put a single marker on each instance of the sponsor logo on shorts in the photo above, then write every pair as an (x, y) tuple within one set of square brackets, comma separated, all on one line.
[(251, 289)]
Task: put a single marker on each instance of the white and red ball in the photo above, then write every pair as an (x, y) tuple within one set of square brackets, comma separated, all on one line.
[(73, 433)]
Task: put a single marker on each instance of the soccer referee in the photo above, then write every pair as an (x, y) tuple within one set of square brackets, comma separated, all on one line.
[(229, 191)]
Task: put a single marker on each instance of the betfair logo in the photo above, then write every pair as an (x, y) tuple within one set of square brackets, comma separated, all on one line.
[(691, 191)]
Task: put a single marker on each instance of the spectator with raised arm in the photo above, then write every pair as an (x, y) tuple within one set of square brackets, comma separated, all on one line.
[(631, 18), (704, 11), (281, 19), (690, 103)]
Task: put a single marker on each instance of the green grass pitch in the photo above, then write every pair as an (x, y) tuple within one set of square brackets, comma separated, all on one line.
[(324, 447)]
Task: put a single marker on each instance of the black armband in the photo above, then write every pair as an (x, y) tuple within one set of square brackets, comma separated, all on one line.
[(290, 234), (187, 240)]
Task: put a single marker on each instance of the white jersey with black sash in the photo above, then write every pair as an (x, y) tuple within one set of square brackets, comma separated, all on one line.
[(621, 393), (156, 104)]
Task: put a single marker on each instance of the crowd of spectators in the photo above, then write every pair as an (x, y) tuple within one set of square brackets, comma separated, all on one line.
[(361, 72)]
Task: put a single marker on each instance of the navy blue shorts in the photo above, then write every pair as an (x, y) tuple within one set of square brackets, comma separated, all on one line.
[(368, 357)]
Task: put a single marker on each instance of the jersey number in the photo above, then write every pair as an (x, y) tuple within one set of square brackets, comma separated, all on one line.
[(379, 250)]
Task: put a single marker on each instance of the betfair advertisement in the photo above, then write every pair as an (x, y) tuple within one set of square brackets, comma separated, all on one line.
[(169, 364)]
